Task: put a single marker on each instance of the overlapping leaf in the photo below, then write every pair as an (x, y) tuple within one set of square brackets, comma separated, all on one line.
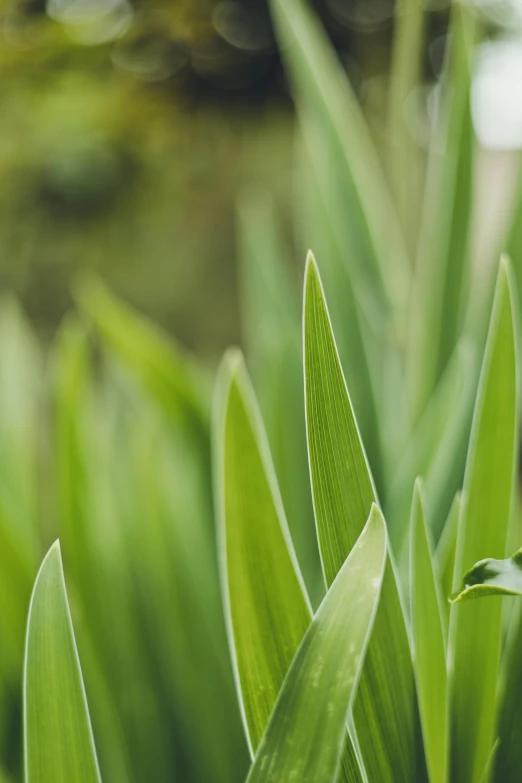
[(364, 218), (304, 738), (266, 606), (475, 627), (429, 641), (385, 711)]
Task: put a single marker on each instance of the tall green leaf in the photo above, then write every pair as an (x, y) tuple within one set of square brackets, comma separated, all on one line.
[(304, 737), (436, 450), (315, 228), (271, 329), (385, 711), (404, 158), (428, 626), (59, 745), (483, 525), (444, 248), (364, 219), (446, 550), (266, 605)]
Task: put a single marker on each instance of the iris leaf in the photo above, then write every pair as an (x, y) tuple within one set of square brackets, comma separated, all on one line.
[(59, 744), (428, 626), (385, 710), (304, 737), (483, 526), (266, 605)]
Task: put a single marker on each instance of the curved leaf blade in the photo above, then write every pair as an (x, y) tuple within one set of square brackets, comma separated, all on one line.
[(443, 267), (266, 605), (385, 710), (364, 218), (265, 600), (59, 744), (304, 737), (483, 525), (492, 577)]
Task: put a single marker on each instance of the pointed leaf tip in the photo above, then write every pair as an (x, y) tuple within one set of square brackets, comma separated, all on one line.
[(58, 739)]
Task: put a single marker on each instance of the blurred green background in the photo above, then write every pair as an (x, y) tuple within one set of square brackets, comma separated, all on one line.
[(128, 130)]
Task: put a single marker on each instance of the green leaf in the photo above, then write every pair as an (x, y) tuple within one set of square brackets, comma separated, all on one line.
[(492, 577), (444, 250), (436, 450), (446, 550), (428, 626), (508, 756), (271, 328), (316, 230), (364, 218), (304, 737), (385, 711), (59, 745), (266, 605), (483, 525), (405, 158)]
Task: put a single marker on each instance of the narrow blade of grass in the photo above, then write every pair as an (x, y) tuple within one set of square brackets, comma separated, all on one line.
[(508, 757), (483, 524), (59, 745), (385, 711), (446, 550), (364, 221), (444, 248), (491, 577), (266, 605), (304, 737), (316, 230), (428, 628), (405, 158), (437, 449), (271, 330)]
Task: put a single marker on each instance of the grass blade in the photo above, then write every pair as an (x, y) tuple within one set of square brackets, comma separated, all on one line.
[(314, 217), (405, 158), (385, 711), (271, 330), (59, 745), (364, 221), (265, 601), (508, 758), (428, 626), (444, 248), (437, 449), (304, 737), (266, 605), (483, 525), (446, 550)]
